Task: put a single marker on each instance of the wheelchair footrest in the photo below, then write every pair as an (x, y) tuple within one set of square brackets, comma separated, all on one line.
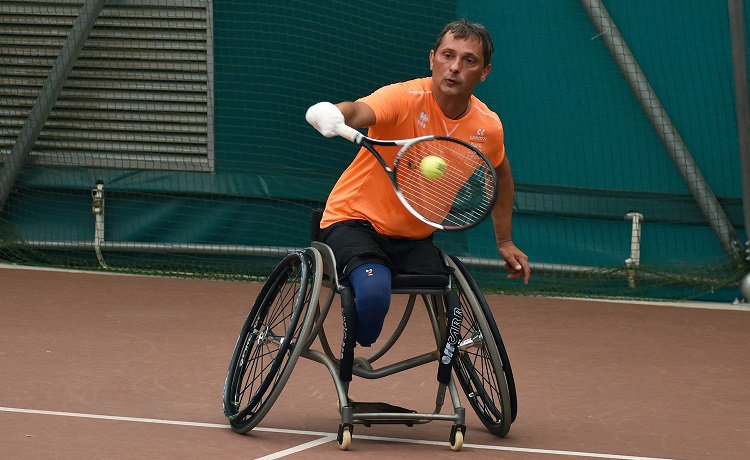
[(359, 408)]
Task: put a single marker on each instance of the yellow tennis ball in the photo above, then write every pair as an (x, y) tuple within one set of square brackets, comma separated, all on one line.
[(432, 167)]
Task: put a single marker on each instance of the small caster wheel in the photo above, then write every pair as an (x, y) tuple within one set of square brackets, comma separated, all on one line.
[(345, 436), (458, 443), (346, 440), (457, 437)]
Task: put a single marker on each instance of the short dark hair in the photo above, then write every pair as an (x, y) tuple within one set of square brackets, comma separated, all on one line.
[(463, 28)]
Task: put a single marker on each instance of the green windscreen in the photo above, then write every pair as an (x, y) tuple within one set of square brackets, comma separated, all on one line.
[(178, 145)]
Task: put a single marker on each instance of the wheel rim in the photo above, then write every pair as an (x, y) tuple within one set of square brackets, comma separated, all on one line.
[(269, 342), (480, 375)]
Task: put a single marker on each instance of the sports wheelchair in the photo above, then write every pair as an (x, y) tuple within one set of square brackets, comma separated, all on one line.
[(289, 314)]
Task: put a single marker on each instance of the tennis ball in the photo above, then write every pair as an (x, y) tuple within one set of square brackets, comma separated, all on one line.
[(432, 167)]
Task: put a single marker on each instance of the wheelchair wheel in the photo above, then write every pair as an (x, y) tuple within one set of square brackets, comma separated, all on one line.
[(482, 366), (271, 340)]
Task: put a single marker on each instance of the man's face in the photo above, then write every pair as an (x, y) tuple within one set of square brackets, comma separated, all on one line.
[(457, 66)]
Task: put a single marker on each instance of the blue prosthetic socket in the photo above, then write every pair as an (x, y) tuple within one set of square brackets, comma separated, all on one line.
[(371, 283)]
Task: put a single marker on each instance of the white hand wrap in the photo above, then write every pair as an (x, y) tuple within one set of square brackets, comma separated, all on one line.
[(325, 117)]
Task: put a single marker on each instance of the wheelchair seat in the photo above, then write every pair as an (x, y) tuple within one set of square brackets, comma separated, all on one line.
[(410, 282)]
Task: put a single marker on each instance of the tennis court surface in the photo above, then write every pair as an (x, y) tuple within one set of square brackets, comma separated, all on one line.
[(122, 367)]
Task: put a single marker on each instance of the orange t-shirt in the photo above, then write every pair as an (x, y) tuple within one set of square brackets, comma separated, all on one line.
[(403, 111)]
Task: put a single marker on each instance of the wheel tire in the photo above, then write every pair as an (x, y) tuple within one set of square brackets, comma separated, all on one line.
[(480, 368), (271, 341), (458, 442), (346, 439)]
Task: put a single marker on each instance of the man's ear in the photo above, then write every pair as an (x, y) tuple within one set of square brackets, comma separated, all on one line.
[(432, 56), (485, 72)]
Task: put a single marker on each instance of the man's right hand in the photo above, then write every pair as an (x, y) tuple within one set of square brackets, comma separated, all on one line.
[(325, 117)]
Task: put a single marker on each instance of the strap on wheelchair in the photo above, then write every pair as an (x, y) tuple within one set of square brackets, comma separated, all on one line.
[(349, 341), (315, 218), (453, 337)]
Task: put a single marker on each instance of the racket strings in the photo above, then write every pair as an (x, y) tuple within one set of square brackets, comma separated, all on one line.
[(460, 197)]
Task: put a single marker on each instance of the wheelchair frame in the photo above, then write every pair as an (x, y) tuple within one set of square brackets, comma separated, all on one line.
[(289, 315)]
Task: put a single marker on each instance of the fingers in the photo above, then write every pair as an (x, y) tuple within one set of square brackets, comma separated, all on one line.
[(518, 268), (515, 274), (526, 271)]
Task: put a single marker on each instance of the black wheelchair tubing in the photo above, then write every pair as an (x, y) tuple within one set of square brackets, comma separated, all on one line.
[(269, 290), (507, 370)]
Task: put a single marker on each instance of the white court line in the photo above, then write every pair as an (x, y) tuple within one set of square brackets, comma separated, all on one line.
[(324, 437), (736, 305), (297, 449)]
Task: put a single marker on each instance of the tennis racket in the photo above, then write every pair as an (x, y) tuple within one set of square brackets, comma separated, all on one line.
[(457, 197)]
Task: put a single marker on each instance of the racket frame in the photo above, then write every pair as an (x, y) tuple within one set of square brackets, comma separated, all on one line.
[(356, 137)]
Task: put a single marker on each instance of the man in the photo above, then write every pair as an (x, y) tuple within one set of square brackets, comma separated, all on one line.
[(370, 232)]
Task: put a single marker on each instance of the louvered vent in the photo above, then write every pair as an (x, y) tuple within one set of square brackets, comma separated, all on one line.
[(140, 95)]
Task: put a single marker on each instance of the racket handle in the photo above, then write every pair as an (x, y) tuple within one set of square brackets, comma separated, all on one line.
[(349, 133)]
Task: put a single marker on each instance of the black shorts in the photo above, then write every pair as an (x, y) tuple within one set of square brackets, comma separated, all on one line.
[(355, 242)]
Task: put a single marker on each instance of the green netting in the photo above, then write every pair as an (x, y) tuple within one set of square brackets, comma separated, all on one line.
[(191, 116)]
